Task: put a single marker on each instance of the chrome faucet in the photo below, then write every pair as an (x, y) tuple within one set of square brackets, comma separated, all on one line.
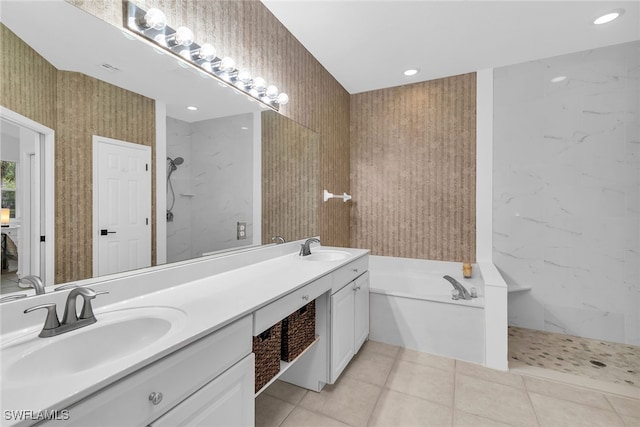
[(462, 291), (70, 320), (278, 240), (305, 248), (36, 283)]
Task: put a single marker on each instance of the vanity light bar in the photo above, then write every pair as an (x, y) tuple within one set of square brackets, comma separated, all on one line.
[(151, 26)]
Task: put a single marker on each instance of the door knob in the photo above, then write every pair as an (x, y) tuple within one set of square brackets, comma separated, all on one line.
[(104, 232)]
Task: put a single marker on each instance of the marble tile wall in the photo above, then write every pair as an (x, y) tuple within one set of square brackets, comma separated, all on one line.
[(566, 185), (214, 187), (179, 230)]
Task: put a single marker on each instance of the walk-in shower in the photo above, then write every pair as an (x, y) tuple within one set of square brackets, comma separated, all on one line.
[(172, 166), (566, 211)]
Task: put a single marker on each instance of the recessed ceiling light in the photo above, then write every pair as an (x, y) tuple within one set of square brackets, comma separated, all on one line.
[(244, 128), (192, 108), (608, 17), (411, 72), (558, 79)]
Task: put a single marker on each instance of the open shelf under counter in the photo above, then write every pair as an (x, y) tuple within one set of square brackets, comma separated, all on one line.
[(284, 366)]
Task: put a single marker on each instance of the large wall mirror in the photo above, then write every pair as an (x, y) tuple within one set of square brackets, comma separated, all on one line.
[(226, 175)]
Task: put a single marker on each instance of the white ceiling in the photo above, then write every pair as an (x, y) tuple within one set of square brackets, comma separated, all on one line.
[(366, 45)]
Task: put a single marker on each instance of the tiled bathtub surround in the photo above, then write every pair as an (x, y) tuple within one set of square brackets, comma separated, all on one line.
[(386, 385), (566, 208), (597, 359)]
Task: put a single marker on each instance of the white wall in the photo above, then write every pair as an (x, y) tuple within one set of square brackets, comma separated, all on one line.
[(566, 192)]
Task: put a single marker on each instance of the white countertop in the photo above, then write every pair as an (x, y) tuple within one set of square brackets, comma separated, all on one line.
[(209, 304)]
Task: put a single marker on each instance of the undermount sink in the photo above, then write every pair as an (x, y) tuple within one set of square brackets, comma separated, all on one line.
[(115, 335), (326, 255)]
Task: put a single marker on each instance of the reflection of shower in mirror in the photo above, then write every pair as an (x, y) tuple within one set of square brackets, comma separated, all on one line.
[(172, 165)]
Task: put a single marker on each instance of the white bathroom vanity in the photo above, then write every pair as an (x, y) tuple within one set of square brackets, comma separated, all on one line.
[(172, 345)]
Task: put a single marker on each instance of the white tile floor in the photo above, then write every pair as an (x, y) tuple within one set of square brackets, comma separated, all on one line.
[(390, 386)]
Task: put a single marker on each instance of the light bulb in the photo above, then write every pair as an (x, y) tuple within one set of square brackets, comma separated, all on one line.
[(227, 64), (272, 92), (558, 79), (160, 39), (184, 36), (244, 76), (207, 52), (207, 66), (606, 18), (259, 84), (254, 92), (283, 98), (154, 18), (186, 54)]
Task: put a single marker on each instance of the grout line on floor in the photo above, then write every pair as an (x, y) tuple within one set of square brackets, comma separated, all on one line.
[(535, 411), (453, 402), (578, 381), (383, 388)]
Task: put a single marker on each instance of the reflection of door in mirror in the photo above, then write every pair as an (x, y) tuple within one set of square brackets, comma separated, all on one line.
[(22, 189), (121, 206)]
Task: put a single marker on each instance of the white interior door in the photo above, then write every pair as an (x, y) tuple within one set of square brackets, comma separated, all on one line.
[(121, 206)]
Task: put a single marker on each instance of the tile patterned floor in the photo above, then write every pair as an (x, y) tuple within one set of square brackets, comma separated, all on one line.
[(600, 360), (390, 386)]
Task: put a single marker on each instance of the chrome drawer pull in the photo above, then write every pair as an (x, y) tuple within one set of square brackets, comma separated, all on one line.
[(155, 397), (305, 297)]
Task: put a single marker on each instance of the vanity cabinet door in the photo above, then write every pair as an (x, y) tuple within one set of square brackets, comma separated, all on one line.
[(226, 401), (342, 329), (361, 311), (151, 392)]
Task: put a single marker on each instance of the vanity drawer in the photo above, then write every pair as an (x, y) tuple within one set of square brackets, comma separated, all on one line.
[(271, 314), (349, 272), (178, 375)]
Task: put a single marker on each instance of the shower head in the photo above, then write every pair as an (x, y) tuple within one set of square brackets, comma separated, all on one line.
[(174, 163)]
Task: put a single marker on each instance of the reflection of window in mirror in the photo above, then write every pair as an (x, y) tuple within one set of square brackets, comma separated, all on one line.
[(9, 187)]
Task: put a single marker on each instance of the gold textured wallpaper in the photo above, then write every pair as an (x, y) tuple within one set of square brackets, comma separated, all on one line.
[(249, 33), (27, 80), (290, 187), (413, 167), (76, 107), (105, 110)]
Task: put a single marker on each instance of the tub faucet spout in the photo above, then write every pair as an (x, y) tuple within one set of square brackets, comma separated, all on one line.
[(36, 283), (462, 291)]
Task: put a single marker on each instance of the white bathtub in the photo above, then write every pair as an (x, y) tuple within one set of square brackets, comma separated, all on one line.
[(411, 307)]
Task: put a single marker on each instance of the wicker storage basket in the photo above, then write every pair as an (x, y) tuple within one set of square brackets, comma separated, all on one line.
[(298, 331), (266, 347)]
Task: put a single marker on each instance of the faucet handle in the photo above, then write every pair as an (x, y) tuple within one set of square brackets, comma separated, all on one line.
[(67, 286), (87, 309), (51, 322)]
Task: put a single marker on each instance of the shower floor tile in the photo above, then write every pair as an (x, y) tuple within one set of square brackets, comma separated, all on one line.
[(600, 360)]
